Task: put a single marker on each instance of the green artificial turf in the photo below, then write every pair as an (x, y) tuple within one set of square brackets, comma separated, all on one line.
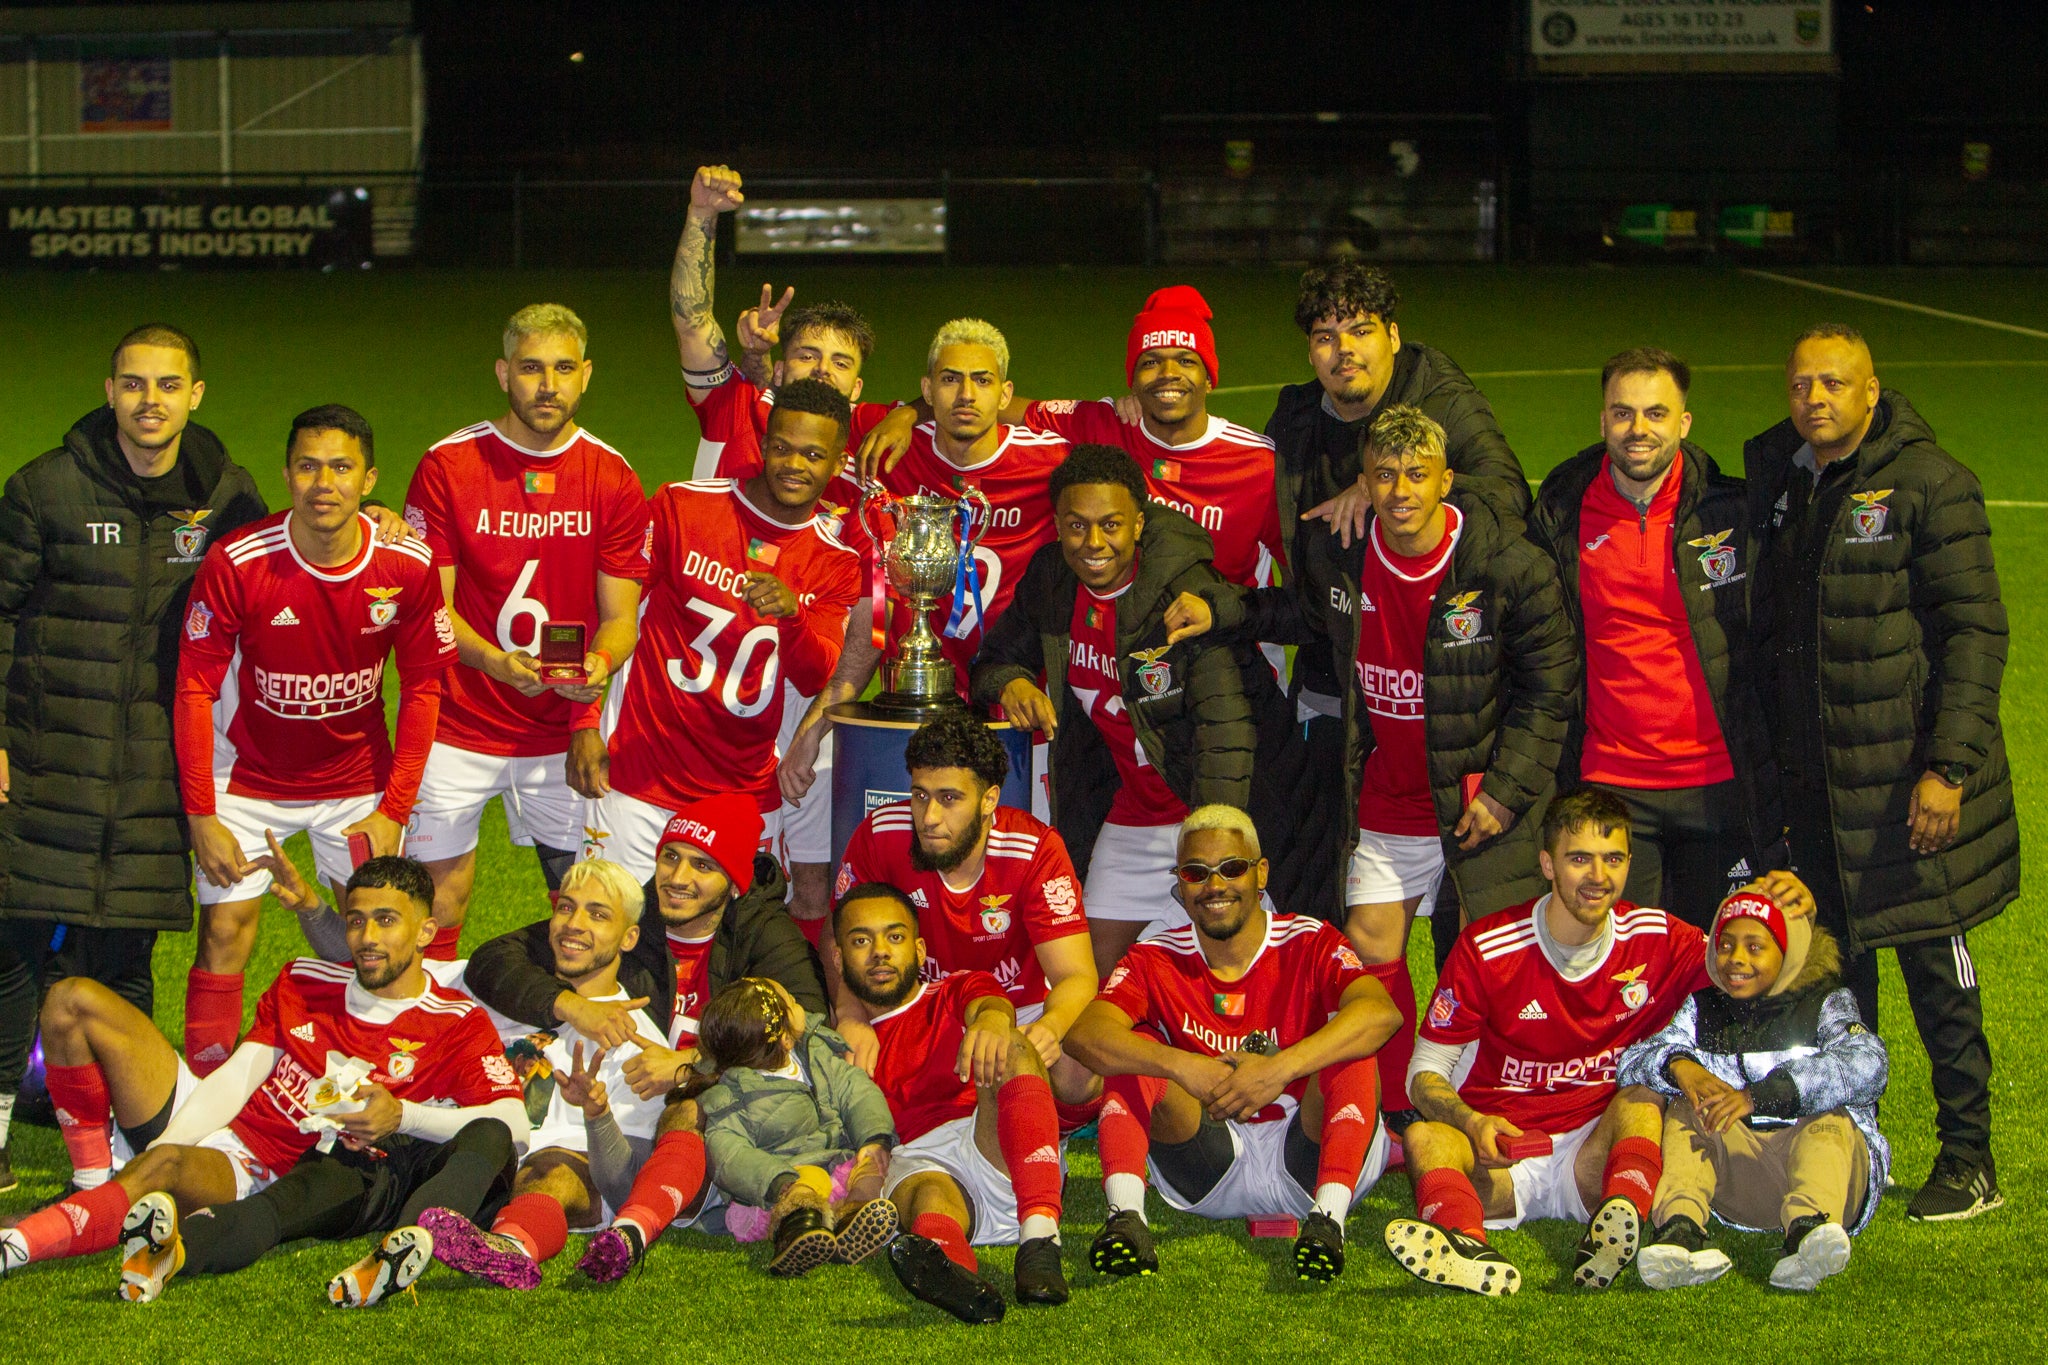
[(413, 352)]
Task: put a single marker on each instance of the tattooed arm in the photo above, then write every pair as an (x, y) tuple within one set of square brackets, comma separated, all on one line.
[(715, 190)]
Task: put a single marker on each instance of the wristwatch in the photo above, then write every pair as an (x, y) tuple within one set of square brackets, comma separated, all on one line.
[(1951, 773)]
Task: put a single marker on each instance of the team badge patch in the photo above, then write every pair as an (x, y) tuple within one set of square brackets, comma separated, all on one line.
[(199, 621), (1463, 619), (1869, 516), (1155, 675), (593, 841), (401, 1062), (383, 611), (1635, 992), (1060, 897), (1717, 559), (995, 915), (1443, 1007), (190, 538)]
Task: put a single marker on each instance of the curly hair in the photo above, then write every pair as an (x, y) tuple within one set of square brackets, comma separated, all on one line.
[(1346, 289)]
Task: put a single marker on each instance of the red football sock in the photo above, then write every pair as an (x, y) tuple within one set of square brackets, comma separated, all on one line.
[(952, 1239), (1446, 1197), (1028, 1130), (77, 1226), (1633, 1169), (1395, 1054), (1351, 1113), (668, 1181), (537, 1222), (84, 1115), (1123, 1132), (213, 1018), (1074, 1117), (446, 946)]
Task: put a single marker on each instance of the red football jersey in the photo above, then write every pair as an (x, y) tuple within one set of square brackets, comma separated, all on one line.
[(1027, 894), (527, 533), (693, 987), (1395, 595), (436, 1048), (733, 421), (1548, 1046), (920, 1045), (1224, 480), (1013, 480), (281, 673), (702, 698), (1143, 798), (1293, 987)]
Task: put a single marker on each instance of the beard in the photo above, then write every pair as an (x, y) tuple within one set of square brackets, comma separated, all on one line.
[(376, 978), (598, 962), (880, 1000), (969, 840)]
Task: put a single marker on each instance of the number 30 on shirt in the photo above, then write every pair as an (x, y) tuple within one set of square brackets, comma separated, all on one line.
[(761, 644)]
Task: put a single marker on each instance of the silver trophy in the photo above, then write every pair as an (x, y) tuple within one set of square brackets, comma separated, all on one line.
[(922, 563)]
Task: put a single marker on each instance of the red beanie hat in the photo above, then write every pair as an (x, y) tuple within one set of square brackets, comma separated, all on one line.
[(1752, 905), (1176, 317), (727, 828)]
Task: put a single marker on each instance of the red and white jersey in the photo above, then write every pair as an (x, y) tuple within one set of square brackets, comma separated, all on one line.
[(281, 672), (527, 533), (1548, 1046), (692, 959), (1027, 894), (1291, 989), (1223, 480), (701, 701), (919, 1042), (1395, 595), (1142, 798), (733, 421), (1014, 480), (436, 1048)]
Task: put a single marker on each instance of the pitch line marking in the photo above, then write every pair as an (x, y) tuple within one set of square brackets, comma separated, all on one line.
[(1594, 373), (1973, 320), (2004, 502)]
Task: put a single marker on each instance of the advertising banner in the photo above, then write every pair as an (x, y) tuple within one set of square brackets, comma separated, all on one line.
[(149, 226), (1667, 29), (840, 227)]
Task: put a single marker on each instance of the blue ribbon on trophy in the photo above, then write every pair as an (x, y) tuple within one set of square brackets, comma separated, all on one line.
[(966, 578)]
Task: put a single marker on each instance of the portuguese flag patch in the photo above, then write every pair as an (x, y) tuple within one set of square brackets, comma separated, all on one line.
[(1228, 1006), (540, 480), (1166, 469), (762, 550)]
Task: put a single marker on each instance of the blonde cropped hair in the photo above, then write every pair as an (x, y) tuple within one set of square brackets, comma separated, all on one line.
[(614, 883), (970, 332), (1405, 430), (1220, 816), (545, 319)]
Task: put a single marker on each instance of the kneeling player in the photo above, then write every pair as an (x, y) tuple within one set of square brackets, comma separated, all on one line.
[(593, 1131), (433, 1119), (1239, 1057), (1550, 994), (979, 1159)]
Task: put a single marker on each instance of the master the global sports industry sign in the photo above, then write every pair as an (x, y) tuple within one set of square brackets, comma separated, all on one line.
[(148, 227)]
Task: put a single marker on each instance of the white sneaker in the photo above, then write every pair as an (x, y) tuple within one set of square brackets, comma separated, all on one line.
[(1813, 1251)]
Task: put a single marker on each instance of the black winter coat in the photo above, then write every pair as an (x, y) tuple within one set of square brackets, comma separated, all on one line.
[(1499, 693), (1913, 636), (93, 585), (1711, 552), (1207, 710), (514, 973)]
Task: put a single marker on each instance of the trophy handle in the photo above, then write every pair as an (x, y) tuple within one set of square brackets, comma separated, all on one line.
[(870, 495), (969, 536)]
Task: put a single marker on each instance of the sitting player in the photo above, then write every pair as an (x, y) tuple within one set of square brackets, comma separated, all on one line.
[(590, 1130), (1771, 1120), (1239, 1057), (790, 1121), (408, 1074), (979, 1163), (1550, 994)]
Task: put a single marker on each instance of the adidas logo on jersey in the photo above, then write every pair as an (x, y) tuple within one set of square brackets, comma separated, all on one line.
[(917, 899), (284, 618), (1044, 1156), (1350, 1113), (1365, 601), (1739, 872), (304, 1032), (1532, 1010)]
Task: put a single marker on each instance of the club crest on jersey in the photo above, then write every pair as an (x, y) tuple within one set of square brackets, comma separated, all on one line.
[(188, 540), (995, 917), (1869, 516), (1716, 559), (401, 1062), (383, 611), (1463, 619), (1635, 992), (198, 621), (1443, 1007), (1155, 675), (593, 841)]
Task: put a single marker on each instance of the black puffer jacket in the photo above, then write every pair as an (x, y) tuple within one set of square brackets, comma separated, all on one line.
[(1913, 637), (93, 584), (1207, 710), (1710, 527), (514, 973), (1498, 696)]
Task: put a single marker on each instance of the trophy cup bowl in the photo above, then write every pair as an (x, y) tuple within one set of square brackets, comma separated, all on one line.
[(921, 562)]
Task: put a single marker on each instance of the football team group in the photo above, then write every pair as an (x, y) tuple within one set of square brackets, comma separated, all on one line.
[(1666, 756)]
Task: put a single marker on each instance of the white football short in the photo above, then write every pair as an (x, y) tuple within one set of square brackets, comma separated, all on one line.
[(1257, 1184), (627, 831), (1130, 876), (806, 828), (1548, 1186), (181, 1091), (1386, 868), (539, 805), (950, 1149), (251, 1175), (321, 821)]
